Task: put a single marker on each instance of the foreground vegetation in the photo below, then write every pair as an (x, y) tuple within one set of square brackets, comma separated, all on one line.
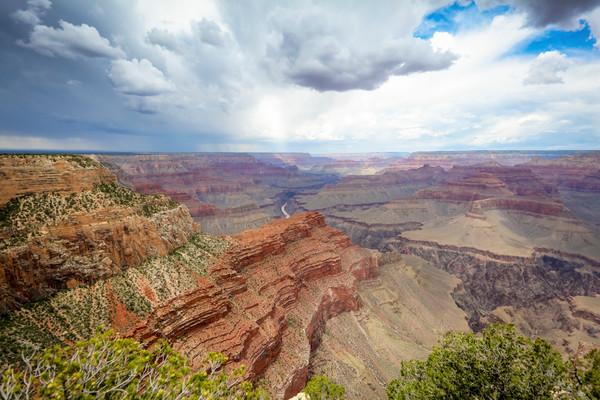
[(499, 365), (105, 367), (122, 369)]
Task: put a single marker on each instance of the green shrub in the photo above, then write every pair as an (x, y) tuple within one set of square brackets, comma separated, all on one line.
[(500, 365), (108, 368), (320, 388)]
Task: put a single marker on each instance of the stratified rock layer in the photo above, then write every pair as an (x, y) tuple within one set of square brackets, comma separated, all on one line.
[(267, 299), (226, 192), (261, 297), (536, 293), (69, 173), (76, 225)]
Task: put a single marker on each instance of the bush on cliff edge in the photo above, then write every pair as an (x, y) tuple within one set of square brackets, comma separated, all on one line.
[(121, 369), (499, 365)]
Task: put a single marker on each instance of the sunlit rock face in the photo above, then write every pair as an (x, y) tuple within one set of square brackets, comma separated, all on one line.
[(261, 297)]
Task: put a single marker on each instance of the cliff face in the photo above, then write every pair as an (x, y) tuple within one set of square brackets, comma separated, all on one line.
[(261, 297), (536, 293), (448, 159), (268, 299), (77, 225), (65, 174)]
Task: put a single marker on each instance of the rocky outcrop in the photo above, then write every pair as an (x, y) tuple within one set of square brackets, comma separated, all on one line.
[(492, 282), (568, 171), (273, 291), (478, 186), (536, 207), (22, 174), (88, 228), (448, 159), (361, 191), (521, 181)]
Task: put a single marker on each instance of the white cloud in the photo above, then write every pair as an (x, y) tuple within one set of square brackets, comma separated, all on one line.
[(35, 9), (139, 78), (593, 20), (162, 37), (545, 68), (71, 41), (310, 48)]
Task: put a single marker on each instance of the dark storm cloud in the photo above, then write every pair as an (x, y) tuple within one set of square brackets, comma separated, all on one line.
[(329, 48), (341, 69), (541, 13)]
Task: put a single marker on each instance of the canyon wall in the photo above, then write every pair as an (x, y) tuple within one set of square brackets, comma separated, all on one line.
[(226, 193), (76, 225), (536, 293)]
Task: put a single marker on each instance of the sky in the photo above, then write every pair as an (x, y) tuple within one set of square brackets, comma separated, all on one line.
[(299, 76)]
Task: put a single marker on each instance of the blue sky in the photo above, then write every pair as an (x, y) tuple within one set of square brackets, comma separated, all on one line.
[(352, 76)]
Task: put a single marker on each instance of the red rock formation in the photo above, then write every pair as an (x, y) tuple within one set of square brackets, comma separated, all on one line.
[(532, 206), (448, 159), (268, 297), (358, 191), (566, 170), (519, 180)]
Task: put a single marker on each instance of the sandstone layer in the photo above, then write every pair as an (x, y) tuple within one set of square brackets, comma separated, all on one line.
[(22, 174), (448, 159)]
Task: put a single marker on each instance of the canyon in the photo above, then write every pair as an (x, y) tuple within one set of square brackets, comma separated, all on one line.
[(324, 264)]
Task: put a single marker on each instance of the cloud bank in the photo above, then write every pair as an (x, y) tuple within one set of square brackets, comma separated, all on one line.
[(305, 76)]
